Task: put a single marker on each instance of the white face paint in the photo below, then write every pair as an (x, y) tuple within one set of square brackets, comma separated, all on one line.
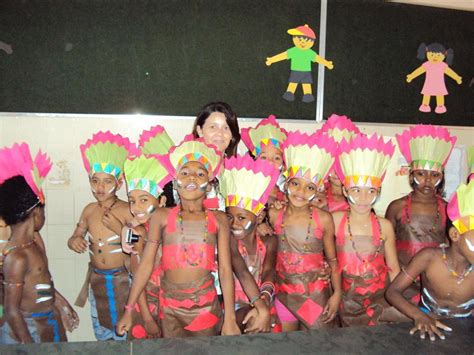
[(351, 199), (437, 183), (469, 244), (311, 197), (248, 226), (373, 200), (289, 191), (416, 181), (150, 209), (93, 190), (203, 186), (111, 190), (179, 184)]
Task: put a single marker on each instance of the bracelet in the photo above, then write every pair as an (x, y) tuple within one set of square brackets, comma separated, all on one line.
[(9, 284), (269, 284), (332, 259), (270, 295), (253, 300), (129, 307)]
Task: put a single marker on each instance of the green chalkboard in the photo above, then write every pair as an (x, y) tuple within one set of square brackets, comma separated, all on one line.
[(163, 57), (374, 46)]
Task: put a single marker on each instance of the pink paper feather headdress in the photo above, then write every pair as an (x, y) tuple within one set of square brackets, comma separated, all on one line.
[(267, 132), (106, 153), (364, 160), (247, 183), (426, 147), (16, 160), (155, 141), (309, 156), (461, 208), (339, 128)]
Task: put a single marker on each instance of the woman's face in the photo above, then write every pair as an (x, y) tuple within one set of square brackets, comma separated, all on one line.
[(216, 131)]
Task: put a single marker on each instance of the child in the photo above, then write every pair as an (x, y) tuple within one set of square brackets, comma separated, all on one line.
[(265, 142), (365, 242), (305, 237), (435, 68), (339, 128), (246, 185), (446, 273), (301, 56), (189, 234), (145, 178), (99, 231), (419, 219), (31, 307)]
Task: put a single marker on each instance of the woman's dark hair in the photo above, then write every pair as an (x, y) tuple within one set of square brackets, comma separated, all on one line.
[(435, 48), (231, 119), (17, 200)]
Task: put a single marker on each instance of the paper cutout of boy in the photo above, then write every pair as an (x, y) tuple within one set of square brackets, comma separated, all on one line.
[(301, 57)]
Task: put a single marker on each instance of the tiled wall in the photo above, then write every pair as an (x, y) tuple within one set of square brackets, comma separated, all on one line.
[(67, 189)]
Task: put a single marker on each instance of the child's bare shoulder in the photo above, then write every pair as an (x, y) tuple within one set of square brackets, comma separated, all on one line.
[(90, 207), (337, 216), (270, 242), (16, 260), (324, 216), (426, 255), (396, 205), (220, 216)]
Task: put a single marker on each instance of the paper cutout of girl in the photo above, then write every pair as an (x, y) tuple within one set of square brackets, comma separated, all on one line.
[(436, 66)]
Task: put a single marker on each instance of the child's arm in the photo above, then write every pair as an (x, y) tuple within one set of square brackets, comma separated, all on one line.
[(157, 222), (390, 249), (327, 63), (329, 242), (225, 274), (276, 58), (423, 322), (453, 75), (417, 72), (262, 318), (15, 269), (77, 242)]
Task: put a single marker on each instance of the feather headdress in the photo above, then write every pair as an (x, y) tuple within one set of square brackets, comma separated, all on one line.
[(339, 128), (267, 132), (461, 208), (155, 141)]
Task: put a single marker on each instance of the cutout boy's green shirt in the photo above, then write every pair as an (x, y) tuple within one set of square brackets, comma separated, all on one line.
[(301, 59)]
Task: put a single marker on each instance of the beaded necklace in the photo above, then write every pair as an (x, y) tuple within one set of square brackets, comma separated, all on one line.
[(369, 259), (108, 209), (194, 260), (460, 277), (308, 231), (408, 209), (245, 254)]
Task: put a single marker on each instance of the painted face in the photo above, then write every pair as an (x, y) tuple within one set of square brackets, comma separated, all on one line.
[(192, 180), (361, 199), (334, 179), (142, 205), (300, 191), (273, 155), (103, 186), (435, 57), (216, 131), (303, 42), (242, 222), (426, 181), (466, 244)]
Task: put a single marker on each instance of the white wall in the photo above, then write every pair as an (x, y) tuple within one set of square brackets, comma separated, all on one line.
[(67, 189)]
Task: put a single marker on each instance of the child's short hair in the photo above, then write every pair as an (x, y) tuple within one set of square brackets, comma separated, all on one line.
[(17, 200)]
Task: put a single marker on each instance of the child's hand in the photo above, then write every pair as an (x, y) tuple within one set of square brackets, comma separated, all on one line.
[(426, 324), (230, 328), (257, 321), (127, 248), (124, 323), (69, 317), (278, 205), (329, 65), (264, 229), (111, 222), (78, 244), (152, 329), (330, 311)]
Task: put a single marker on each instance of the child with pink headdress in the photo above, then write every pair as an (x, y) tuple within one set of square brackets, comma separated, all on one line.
[(145, 178), (34, 310), (365, 242), (446, 273), (98, 232), (246, 185), (189, 234), (265, 142), (419, 218), (305, 237), (332, 198)]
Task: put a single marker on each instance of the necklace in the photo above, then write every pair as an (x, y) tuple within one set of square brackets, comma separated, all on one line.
[(108, 209), (408, 210), (8, 250), (192, 257), (256, 264), (369, 259), (460, 277)]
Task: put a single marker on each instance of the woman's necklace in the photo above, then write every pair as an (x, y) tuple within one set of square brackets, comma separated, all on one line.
[(372, 257), (460, 277)]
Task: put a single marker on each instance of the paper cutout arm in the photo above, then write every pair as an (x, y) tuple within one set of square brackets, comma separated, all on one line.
[(327, 63), (453, 75), (417, 72), (276, 58)]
